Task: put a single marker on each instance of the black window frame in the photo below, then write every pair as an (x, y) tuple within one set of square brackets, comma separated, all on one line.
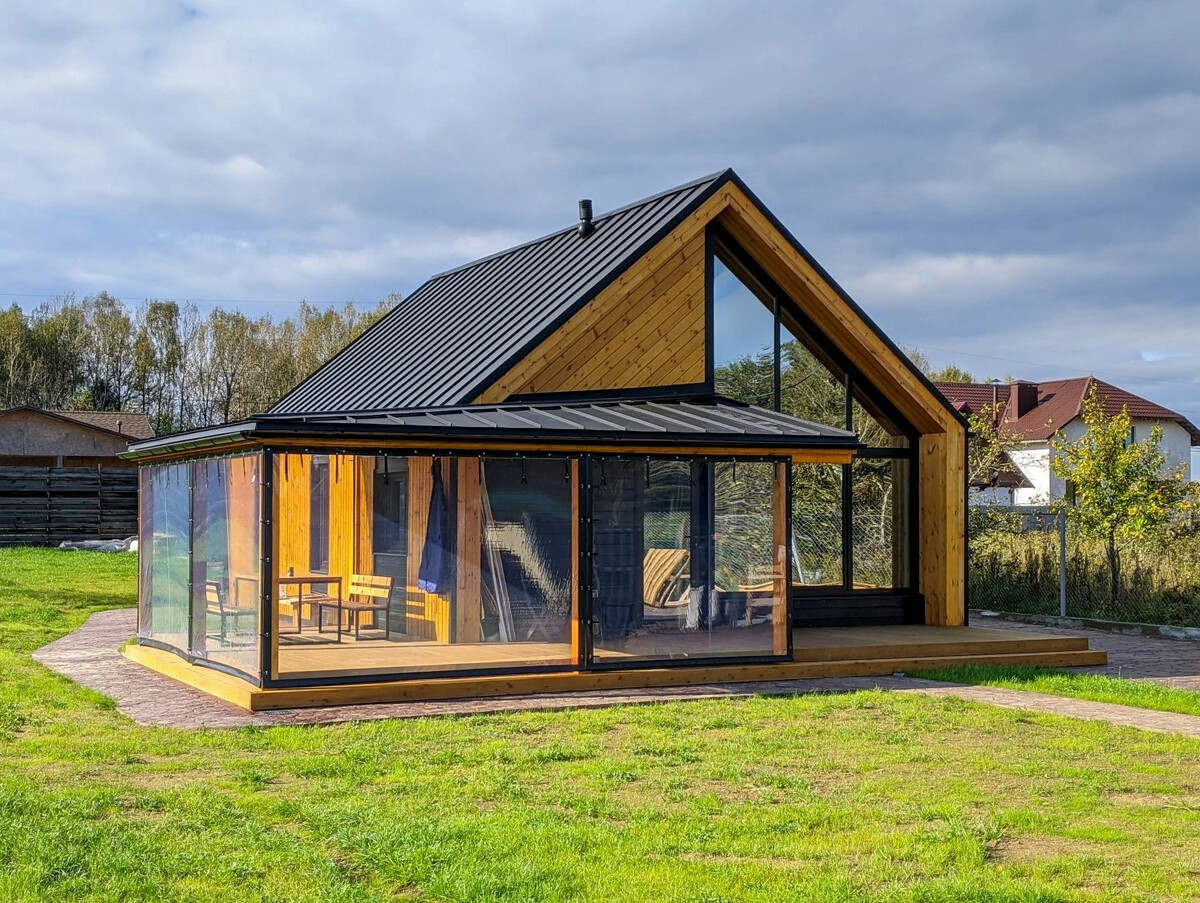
[(790, 316)]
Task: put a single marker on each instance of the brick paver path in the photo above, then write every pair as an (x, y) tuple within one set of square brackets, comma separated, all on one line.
[(1175, 663), (91, 657)]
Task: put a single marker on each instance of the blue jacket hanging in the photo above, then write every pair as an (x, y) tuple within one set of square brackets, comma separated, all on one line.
[(434, 558)]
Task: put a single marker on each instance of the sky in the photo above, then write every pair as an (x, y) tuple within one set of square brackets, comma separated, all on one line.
[(1010, 186)]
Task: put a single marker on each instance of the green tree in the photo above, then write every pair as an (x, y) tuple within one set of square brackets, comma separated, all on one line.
[(1118, 490), (951, 373)]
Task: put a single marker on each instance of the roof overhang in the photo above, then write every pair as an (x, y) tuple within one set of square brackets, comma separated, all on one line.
[(714, 426)]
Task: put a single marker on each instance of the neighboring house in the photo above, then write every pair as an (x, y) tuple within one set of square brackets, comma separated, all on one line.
[(523, 479), (61, 477), (1032, 414)]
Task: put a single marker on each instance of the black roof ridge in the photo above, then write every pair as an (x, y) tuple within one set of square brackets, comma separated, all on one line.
[(678, 189)]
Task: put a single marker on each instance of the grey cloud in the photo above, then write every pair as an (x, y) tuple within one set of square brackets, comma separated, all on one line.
[(992, 175)]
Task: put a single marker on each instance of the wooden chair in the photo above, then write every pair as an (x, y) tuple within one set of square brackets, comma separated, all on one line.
[(367, 593), (215, 605), (663, 572)]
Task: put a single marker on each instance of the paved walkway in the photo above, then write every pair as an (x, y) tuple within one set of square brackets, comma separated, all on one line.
[(91, 657), (1172, 662)]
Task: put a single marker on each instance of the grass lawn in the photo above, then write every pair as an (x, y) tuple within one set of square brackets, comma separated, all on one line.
[(863, 796), (1095, 687)]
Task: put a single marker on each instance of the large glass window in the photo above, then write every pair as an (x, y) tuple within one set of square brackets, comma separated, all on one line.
[(435, 564), (817, 519), (769, 358), (743, 340), (880, 519), (688, 560), (226, 561), (164, 546)]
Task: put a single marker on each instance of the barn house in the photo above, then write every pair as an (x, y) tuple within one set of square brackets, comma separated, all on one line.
[(661, 446)]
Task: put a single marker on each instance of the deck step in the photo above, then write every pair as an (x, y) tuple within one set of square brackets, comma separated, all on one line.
[(972, 649), (873, 667)]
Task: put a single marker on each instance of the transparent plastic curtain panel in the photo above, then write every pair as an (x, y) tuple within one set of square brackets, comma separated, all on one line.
[(200, 559), (397, 564), (685, 563)]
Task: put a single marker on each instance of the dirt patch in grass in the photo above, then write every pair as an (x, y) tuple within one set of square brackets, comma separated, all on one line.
[(1037, 848)]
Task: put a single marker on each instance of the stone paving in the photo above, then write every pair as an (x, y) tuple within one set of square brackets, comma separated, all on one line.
[(91, 657), (1164, 660)]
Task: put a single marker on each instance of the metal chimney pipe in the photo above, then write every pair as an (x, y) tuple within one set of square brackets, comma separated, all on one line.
[(586, 226)]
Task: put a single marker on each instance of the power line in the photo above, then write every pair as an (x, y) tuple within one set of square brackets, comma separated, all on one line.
[(130, 299), (1007, 360)]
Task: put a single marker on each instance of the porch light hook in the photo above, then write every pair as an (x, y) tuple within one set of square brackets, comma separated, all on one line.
[(524, 473)]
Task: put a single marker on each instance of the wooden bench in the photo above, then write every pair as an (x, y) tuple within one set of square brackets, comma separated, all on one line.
[(367, 593)]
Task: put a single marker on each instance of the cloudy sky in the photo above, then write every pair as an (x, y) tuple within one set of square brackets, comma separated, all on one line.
[(1011, 186)]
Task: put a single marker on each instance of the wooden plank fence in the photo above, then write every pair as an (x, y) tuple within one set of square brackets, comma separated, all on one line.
[(46, 505)]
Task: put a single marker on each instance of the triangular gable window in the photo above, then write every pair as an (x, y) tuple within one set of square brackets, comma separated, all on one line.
[(851, 524)]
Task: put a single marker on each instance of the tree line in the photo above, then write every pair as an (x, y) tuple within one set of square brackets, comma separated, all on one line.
[(181, 368)]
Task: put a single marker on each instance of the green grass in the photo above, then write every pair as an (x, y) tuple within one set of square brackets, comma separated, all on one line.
[(1094, 687), (863, 796)]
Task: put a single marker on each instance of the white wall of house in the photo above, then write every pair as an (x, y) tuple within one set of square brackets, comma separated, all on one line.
[(1033, 458), (1176, 443)]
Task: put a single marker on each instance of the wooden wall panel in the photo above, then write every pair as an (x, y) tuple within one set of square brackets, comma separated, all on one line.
[(244, 554), (292, 513), (342, 521), (468, 581), (427, 615), (364, 507), (646, 329)]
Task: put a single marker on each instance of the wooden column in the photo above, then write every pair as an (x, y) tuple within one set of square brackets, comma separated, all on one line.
[(943, 519), (779, 506), (427, 615), (468, 597), (364, 515)]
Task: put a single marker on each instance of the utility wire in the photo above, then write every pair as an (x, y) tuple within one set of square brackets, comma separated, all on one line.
[(129, 299)]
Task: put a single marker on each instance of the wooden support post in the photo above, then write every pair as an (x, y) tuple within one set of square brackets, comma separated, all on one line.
[(943, 516), (779, 611), (468, 588)]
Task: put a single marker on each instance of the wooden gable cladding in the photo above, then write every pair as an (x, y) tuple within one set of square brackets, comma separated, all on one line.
[(645, 329)]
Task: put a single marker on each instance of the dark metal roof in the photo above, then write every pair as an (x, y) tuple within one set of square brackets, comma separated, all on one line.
[(695, 422), (450, 339)]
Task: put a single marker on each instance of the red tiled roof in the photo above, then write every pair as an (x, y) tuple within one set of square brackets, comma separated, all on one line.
[(1059, 402)]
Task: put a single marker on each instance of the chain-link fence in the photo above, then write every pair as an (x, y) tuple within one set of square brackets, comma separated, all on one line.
[(1017, 565)]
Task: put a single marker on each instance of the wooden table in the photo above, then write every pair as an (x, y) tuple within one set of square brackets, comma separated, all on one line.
[(302, 580)]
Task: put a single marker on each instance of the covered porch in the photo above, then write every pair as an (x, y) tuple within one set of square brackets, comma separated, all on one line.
[(511, 549)]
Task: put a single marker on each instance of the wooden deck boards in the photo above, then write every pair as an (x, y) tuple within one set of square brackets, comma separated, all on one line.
[(819, 652)]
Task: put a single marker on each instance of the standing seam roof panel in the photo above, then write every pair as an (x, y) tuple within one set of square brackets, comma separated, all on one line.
[(482, 314)]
